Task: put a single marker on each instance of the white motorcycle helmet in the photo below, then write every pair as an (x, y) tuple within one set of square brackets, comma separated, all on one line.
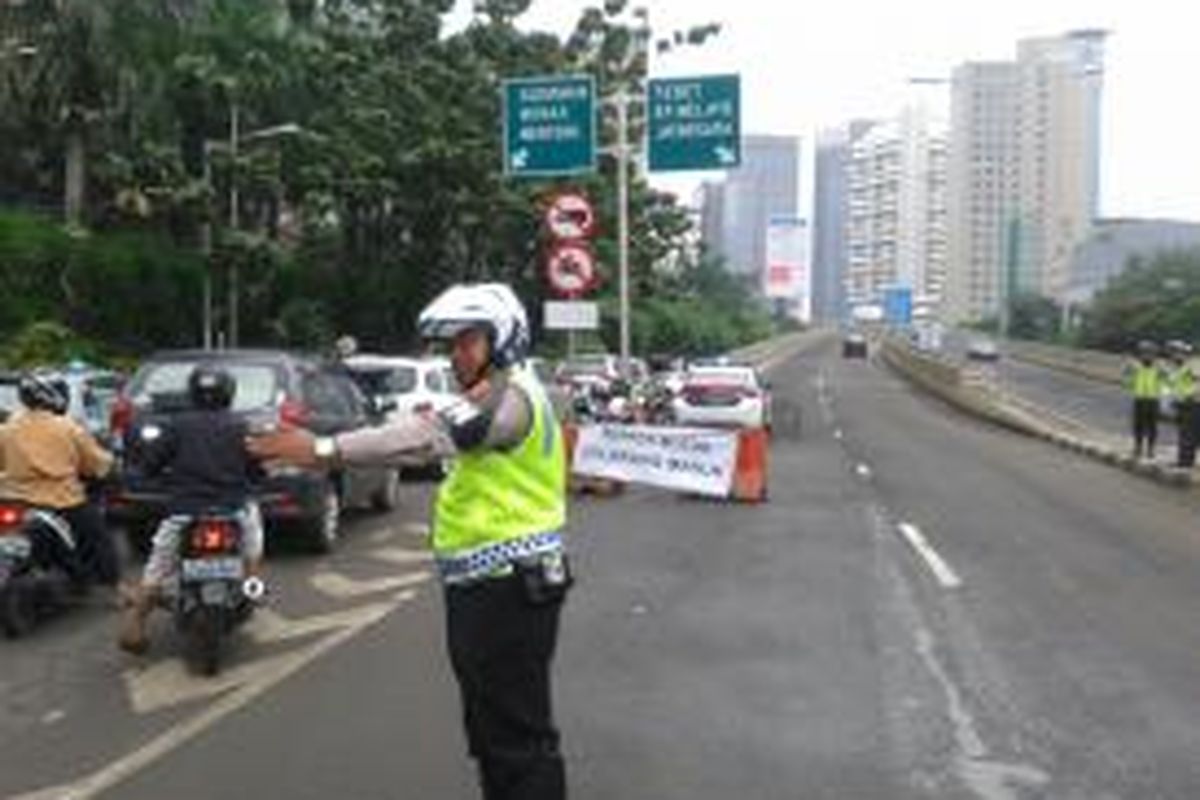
[(492, 307)]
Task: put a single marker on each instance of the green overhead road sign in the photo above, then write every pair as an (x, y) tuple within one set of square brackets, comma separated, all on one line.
[(694, 123), (549, 125)]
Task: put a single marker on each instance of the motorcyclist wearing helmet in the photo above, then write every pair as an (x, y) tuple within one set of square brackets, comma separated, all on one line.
[(1145, 380), (202, 456), (45, 457), (497, 532)]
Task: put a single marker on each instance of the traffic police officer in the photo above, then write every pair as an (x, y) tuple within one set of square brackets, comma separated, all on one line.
[(1143, 379), (1183, 389), (497, 532)]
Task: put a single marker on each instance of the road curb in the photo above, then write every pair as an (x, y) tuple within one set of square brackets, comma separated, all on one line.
[(946, 381)]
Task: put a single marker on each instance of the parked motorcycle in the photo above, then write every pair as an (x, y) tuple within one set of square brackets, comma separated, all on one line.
[(38, 554), (214, 596)]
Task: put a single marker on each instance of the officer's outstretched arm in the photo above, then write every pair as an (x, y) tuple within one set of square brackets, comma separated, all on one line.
[(500, 422)]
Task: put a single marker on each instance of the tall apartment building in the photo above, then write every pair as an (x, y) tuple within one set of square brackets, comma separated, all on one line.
[(1024, 170), (737, 213), (896, 219), (831, 206)]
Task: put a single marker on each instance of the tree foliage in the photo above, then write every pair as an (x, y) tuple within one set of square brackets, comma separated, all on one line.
[(1032, 316), (387, 187), (1157, 300)]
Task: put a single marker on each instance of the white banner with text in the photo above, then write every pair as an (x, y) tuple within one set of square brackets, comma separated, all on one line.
[(694, 460)]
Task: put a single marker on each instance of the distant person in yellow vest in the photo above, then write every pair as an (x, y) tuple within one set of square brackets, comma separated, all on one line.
[(497, 531), (1144, 379), (1183, 392)]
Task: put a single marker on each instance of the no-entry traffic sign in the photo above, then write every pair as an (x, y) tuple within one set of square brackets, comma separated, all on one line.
[(570, 217), (571, 269)]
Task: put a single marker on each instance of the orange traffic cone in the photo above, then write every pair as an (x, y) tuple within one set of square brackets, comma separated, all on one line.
[(750, 473)]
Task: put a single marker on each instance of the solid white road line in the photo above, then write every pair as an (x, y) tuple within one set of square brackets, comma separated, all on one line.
[(401, 555), (937, 565), (178, 735), (337, 585), (420, 530)]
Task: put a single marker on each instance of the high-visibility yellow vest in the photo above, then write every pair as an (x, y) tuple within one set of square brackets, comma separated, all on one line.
[(1183, 382), (494, 497), (1145, 382)]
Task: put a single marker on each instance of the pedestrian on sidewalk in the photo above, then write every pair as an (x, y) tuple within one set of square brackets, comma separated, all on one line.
[(1144, 380), (1183, 390), (497, 531)]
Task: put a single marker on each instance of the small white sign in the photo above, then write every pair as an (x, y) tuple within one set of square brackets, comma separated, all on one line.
[(572, 315), (694, 460)]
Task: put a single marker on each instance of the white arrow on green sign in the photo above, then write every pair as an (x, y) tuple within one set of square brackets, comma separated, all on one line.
[(549, 125), (694, 123)]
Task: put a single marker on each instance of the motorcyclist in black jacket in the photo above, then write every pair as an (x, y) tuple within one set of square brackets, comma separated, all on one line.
[(203, 457)]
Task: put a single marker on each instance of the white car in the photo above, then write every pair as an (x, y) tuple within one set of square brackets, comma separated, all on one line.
[(597, 371), (983, 350), (408, 385), (734, 397)]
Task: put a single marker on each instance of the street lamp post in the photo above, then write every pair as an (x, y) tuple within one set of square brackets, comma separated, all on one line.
[(233, 224), (237, 140), (623, 223)]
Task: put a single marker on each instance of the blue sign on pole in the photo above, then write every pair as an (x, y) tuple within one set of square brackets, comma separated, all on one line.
[(898, 305), (694, 123), (549, 125)]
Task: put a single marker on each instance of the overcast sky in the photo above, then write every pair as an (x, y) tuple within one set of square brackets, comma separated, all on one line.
[(806, 66)]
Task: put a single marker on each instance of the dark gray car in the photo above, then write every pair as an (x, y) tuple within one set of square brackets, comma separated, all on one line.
[(272, 388)]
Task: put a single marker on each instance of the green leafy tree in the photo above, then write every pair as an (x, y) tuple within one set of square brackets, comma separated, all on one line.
[(1158, 299), (1032, 316)]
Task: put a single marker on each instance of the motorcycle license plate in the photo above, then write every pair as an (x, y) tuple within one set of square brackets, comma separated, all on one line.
[(14, 547), (213, 569)]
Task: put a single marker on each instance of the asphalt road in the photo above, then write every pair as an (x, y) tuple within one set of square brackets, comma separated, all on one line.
[(1102, 407), (926, 608)]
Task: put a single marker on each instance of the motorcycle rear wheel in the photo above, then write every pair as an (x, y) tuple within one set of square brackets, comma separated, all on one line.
[(204, 634), (18, 612)]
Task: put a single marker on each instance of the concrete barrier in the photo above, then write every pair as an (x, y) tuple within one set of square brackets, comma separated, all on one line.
[(973, 393), (769, 353)]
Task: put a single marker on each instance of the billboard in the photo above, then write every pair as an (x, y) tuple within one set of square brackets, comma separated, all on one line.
[(898, 305), (788, 276)]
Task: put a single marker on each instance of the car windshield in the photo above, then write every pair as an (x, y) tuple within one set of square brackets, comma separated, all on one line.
[(257, 384), (385, 380)]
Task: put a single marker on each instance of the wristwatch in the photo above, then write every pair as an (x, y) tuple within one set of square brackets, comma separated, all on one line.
[(325, 448)]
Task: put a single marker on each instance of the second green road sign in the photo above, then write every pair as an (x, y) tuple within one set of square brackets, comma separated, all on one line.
[(694, 123), (549, 125)]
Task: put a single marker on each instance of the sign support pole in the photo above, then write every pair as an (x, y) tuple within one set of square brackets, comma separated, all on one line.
[(623, 223)]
